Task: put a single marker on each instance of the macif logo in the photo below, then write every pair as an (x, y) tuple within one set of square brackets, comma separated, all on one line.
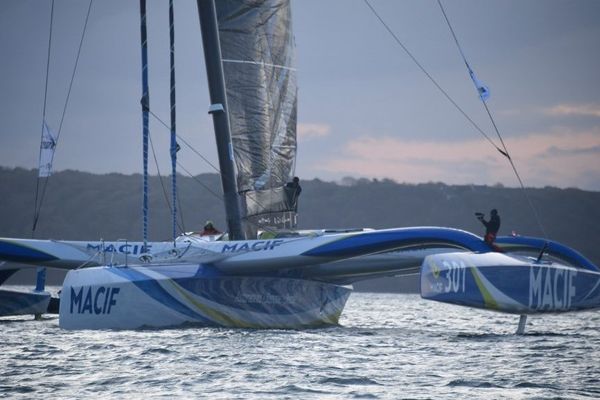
[(551, 288), (251, 246), (94, 300)]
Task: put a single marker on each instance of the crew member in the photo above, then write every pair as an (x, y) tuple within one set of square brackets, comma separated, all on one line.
[(209, 229), (491, 227), (293, 189)]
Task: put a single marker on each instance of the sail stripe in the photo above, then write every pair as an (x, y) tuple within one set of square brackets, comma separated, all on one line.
[(259, 63)]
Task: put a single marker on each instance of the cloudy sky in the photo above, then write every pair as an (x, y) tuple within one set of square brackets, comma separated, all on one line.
[(365, 109)]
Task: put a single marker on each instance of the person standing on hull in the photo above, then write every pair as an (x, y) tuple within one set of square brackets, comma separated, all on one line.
[(491, 227), (294, 189)]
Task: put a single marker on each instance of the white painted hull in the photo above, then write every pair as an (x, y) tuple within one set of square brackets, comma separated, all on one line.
[(172, 295)]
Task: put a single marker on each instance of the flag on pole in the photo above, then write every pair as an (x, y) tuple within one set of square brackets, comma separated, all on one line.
[(46, 151), (484, 91)]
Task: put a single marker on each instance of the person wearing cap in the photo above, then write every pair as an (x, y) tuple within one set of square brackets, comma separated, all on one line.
[(209, 229), (491, 227)]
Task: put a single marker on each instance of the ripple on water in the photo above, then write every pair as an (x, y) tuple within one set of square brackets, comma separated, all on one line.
[(473, 383), (349, 381), (293, 388), (157, 350)]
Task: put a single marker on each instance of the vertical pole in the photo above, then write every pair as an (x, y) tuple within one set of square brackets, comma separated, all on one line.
[(173, 121), (522, 323), (145, 111), (218, 109), (40, 285)]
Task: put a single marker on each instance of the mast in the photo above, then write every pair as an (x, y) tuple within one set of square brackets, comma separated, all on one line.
[(145, 117), (173, 120), (218, 109)]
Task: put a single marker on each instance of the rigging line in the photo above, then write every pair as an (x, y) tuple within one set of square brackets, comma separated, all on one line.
[(185, 142), (454, 36), (160, 175), (495, 126), (437, 85), (201, 156), (180, 209), (218, 196), (512, 164), (87, 17), (45, 181), (37, 186), (182, 226), (196, 152)]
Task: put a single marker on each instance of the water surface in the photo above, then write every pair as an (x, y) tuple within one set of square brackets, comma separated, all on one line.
[(388, 346)]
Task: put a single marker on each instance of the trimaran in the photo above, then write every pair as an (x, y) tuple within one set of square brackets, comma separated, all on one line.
[(280, 279)]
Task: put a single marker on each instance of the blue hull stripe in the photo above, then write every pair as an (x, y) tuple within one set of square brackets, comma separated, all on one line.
[(554, 248), (19, 253), (372, 242), (153, 289)]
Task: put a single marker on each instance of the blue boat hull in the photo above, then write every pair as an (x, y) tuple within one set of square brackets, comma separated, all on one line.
[(508, 284), (14, 302)]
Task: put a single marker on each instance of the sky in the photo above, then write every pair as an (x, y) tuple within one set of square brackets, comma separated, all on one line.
[(365, 109)]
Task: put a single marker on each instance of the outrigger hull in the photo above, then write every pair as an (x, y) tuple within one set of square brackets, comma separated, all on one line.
[(173, 295), (15, 302), (509, 284)]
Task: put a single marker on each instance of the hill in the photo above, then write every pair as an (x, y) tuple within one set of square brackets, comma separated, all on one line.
[(81, 205)]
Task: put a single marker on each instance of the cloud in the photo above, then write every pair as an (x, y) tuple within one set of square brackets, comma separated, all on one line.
[(564, 158), (586, 110), (554, 151), (313, 130)]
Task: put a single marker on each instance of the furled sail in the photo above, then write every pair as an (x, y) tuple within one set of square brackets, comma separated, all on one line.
[(258, 52)]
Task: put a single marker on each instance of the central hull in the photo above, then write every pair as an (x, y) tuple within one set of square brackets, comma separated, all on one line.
[(171, 295)]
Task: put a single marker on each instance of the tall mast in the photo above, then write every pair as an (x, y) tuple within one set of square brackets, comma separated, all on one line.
[(145, 112), (173, 120), (218, 109)]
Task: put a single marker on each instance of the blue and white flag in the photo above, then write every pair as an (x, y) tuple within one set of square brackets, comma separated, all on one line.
[(484, 91), (46, 151)]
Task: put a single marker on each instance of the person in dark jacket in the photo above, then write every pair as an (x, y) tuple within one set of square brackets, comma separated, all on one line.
[(209, 229), (293, 190), (491, 227)]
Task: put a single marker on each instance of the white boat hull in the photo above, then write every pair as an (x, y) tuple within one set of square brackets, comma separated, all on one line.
[(171, 295)]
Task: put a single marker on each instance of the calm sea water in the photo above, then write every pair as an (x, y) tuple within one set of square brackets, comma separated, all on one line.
[(388, 346)]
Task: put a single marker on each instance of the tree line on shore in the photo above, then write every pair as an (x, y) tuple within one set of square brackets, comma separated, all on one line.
[(80, 206)]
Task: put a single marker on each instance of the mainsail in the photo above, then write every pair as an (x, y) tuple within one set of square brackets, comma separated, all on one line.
[(258, 55)]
